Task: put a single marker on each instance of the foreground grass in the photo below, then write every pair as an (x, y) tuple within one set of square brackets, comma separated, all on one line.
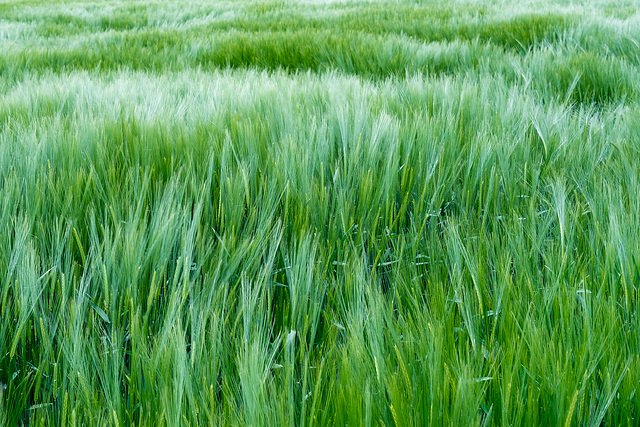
[(319, 214)]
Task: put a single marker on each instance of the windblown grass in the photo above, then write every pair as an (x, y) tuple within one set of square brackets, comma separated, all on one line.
[(289, 213)]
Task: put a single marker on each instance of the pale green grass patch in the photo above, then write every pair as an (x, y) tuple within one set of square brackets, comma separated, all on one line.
[(319, 213)]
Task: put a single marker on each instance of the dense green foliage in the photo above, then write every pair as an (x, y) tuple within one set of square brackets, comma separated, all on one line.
[(289, 213)]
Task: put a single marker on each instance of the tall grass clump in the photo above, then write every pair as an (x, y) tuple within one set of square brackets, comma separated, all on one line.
[(277, 213)]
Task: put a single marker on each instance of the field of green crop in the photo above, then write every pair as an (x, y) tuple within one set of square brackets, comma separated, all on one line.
[(316, 213)]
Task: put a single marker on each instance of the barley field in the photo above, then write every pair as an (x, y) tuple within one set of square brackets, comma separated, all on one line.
[(320, 213)]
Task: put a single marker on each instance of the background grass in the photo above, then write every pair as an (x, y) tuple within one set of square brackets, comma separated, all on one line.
[(341, 213)]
